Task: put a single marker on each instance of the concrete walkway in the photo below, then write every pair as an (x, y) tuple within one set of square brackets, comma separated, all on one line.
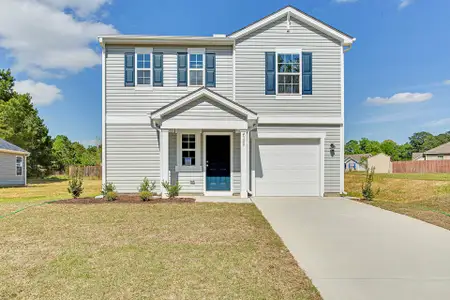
[(353, 251)]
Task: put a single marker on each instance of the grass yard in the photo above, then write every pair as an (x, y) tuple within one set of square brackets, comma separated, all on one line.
[(136, 251), (47, 189), (422, 196)]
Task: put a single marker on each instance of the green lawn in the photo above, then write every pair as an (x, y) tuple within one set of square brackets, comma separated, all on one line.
[(46, 189), (137, 251), (423, 196)]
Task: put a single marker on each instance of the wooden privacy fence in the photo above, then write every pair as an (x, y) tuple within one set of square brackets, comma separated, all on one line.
[(421, 166), (88, 171)]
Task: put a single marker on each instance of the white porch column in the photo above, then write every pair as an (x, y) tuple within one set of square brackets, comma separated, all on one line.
[(164, 157), (244, 163)]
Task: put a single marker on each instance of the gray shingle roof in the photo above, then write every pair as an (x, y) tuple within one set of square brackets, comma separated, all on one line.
[(357, 157), (442, 149), (4, 145), (417, 155)]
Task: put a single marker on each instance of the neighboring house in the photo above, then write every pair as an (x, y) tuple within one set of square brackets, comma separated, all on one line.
[(354, 162), (13, 165), (439, 153), (257, 112), (381, 162), (417, 156)]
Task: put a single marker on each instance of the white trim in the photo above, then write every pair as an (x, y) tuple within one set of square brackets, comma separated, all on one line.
[(103, 115), (164, 157), (244, 163), (197, 149), (297, 120), (299, 15), (25, 169), (342, 133), (143, 50), (203, 92), (204, 124), (320, 136), (201, 51), (218, 193), (21, 165), (289, 51), (234, 72), (289, 135), (164, 40), (14, 152)]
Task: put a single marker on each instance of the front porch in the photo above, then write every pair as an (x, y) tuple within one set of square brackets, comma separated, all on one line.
[(204, 144)]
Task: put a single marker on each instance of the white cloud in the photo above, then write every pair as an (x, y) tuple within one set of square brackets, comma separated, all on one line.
[(405, 3), (447, 82), (81, 8), (437, 123), (41, 93), (401, 98), (345, 1), (87, 143), (46, 40)]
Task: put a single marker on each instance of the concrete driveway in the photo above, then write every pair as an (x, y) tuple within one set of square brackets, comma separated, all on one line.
[(353, 251)]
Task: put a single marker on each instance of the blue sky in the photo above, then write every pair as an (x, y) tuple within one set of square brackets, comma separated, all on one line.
[(397, 74)]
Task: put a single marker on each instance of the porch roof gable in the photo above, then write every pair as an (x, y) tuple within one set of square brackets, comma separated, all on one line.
[(197, 94)]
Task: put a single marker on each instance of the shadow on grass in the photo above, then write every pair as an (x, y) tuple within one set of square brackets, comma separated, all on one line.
[(46, 180)]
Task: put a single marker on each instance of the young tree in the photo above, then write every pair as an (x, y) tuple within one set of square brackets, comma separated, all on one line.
[(6, 85), (63, 152)]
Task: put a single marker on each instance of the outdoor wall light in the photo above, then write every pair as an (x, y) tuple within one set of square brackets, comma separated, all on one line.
[(332, 149)]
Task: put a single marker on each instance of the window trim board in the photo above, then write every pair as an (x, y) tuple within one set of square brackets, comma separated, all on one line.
[(21, 165), (179, 164), (300, 87), (142, 50), (196, 51)]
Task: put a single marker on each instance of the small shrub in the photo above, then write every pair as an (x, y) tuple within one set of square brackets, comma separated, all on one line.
[(111, 196), (75, 187), (145, 195), (146, 189), (108, 187), (367, 189), (172, 190)]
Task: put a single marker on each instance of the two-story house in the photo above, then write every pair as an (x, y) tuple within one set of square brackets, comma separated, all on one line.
[(257, 112)]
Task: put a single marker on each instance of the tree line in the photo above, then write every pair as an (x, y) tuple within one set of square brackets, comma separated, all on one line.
[(418, 142), (21, 125)]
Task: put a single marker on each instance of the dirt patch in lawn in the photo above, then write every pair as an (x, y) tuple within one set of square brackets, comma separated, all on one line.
[(126, 198)]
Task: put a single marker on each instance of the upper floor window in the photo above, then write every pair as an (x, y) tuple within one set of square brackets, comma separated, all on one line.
[(143, 68), (288, 73), (19, 165), (196, 67)]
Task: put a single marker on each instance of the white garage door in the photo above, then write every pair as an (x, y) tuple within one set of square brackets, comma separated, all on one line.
[(287, 167)]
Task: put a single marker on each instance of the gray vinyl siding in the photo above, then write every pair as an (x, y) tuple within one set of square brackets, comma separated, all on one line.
[(325, 100), (8, 170), (132, 148), (132, 153), (191, 181), (332, 163), (121, 100), (204, 109)]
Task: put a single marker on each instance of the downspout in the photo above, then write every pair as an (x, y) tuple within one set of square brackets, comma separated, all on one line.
[(349, 47)]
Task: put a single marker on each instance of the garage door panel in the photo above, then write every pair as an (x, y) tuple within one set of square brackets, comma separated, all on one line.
[(288, 167)]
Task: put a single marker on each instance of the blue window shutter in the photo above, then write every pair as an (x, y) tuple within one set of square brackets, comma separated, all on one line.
[(182, 69), (129, 69), (157, 69), (307, 73), (270, 73), (210, 69)]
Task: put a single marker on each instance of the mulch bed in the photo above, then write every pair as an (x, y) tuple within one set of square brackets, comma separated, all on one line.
[(126, 198)]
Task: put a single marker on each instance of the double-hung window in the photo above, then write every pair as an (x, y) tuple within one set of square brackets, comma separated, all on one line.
[(143, 67), (196, 62), (288, 73), (188, 149), (19, 165)]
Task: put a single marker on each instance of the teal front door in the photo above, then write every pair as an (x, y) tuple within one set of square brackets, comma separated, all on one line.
[(218, 166)]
